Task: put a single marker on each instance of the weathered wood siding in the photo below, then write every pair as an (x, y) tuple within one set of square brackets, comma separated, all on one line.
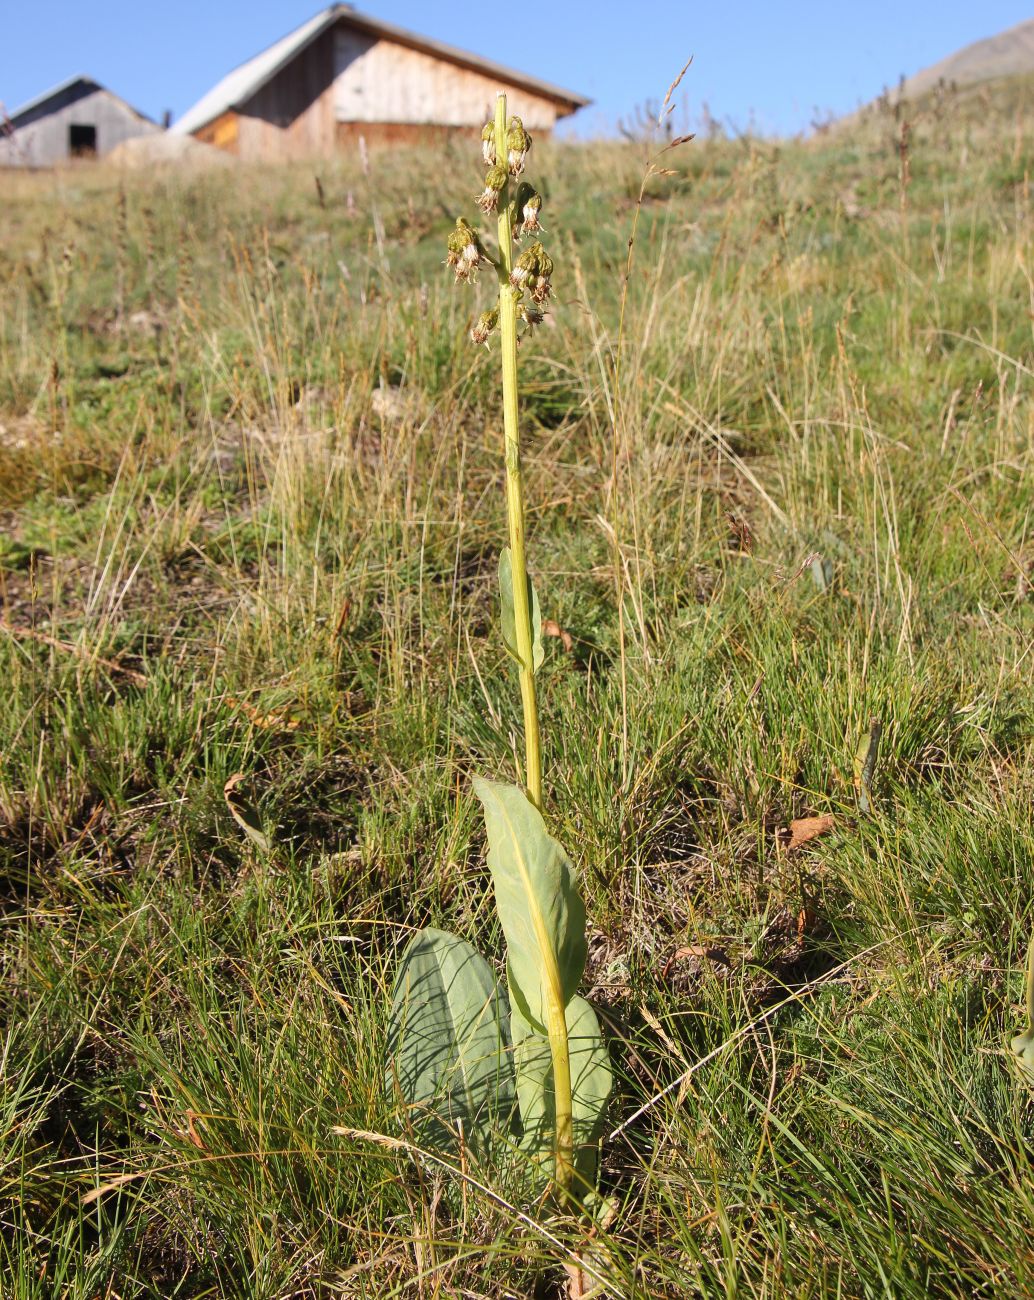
[(380, 133), (347, 83), (293, 114), (43, 140), (379, 81)]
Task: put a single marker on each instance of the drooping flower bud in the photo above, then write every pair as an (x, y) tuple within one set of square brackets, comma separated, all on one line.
[(495, 179), (532, 271), (540, 283), (530, 213), (484, 325), (525, 266), (488, 143), (541, 287), (531, 316), (518, 142), (465, 251), (527, 207)]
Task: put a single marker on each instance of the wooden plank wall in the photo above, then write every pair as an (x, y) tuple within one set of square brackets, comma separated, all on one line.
[(380, 81), (293, 114), (43, 141), (347, 84)]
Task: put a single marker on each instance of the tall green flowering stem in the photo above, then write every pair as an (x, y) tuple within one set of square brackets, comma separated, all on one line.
[(514, 484), (556, 1020), (556, 1023), (542, 913)]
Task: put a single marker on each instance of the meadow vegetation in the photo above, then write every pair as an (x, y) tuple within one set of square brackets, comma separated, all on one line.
[(251, 506)]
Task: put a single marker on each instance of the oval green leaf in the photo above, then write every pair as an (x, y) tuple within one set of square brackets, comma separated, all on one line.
[(537, 898), (1022, 1047), (449, 1042), (591, 1083)]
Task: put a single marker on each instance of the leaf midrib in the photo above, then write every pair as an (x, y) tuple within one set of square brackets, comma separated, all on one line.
[(549, 957)]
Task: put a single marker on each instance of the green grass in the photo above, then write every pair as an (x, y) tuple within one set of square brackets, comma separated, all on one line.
[(250, 511)]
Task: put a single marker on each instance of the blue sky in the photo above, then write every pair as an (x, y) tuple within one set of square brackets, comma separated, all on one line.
[(773, 63)]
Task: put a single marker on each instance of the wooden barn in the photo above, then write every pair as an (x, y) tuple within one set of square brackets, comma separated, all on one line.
[(78, 119), (343, 74)]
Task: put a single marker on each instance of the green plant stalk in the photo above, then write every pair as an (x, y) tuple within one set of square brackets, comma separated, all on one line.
[(556, 1019), (560, 1051), (514, 483)]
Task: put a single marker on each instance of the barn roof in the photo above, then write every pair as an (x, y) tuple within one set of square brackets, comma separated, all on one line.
[(77, 87), (243, 82)]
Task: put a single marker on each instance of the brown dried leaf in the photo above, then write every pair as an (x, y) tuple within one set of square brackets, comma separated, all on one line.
[(191, 1133), (698, 953), (700, 950), (244, 812), (112, 1185), (276, 720), (578, 1284), (552, 628), (808, 828)]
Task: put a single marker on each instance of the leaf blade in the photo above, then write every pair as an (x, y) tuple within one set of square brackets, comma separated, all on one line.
[(591, 1085), (537, 899), (448, 1041)]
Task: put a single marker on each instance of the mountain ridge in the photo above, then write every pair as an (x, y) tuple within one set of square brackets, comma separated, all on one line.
[(1006, 54)]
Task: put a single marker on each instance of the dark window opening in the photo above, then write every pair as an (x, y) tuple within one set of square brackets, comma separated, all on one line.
[(82, 141)]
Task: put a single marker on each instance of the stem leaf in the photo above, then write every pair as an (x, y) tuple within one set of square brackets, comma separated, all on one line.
[(537, 898), (508, 616), (448, 1041), (591, 1082)]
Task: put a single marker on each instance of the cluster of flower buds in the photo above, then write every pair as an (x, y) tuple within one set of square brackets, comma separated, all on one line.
[(465, 251), (527, 207), (495, 180), (518, 142), (484, 325), (532, 271)]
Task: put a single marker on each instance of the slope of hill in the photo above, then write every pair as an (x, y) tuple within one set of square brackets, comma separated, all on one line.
[(251, 509), (1008, 54)]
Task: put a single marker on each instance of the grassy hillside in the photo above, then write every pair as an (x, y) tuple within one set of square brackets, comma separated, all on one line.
[(251, 499)]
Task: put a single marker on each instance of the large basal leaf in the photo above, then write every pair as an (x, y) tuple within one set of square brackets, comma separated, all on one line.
[(536, 895), (449, 1041), (508, 617), (1023, 1044), (1022, 1047), (591, 1082)]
